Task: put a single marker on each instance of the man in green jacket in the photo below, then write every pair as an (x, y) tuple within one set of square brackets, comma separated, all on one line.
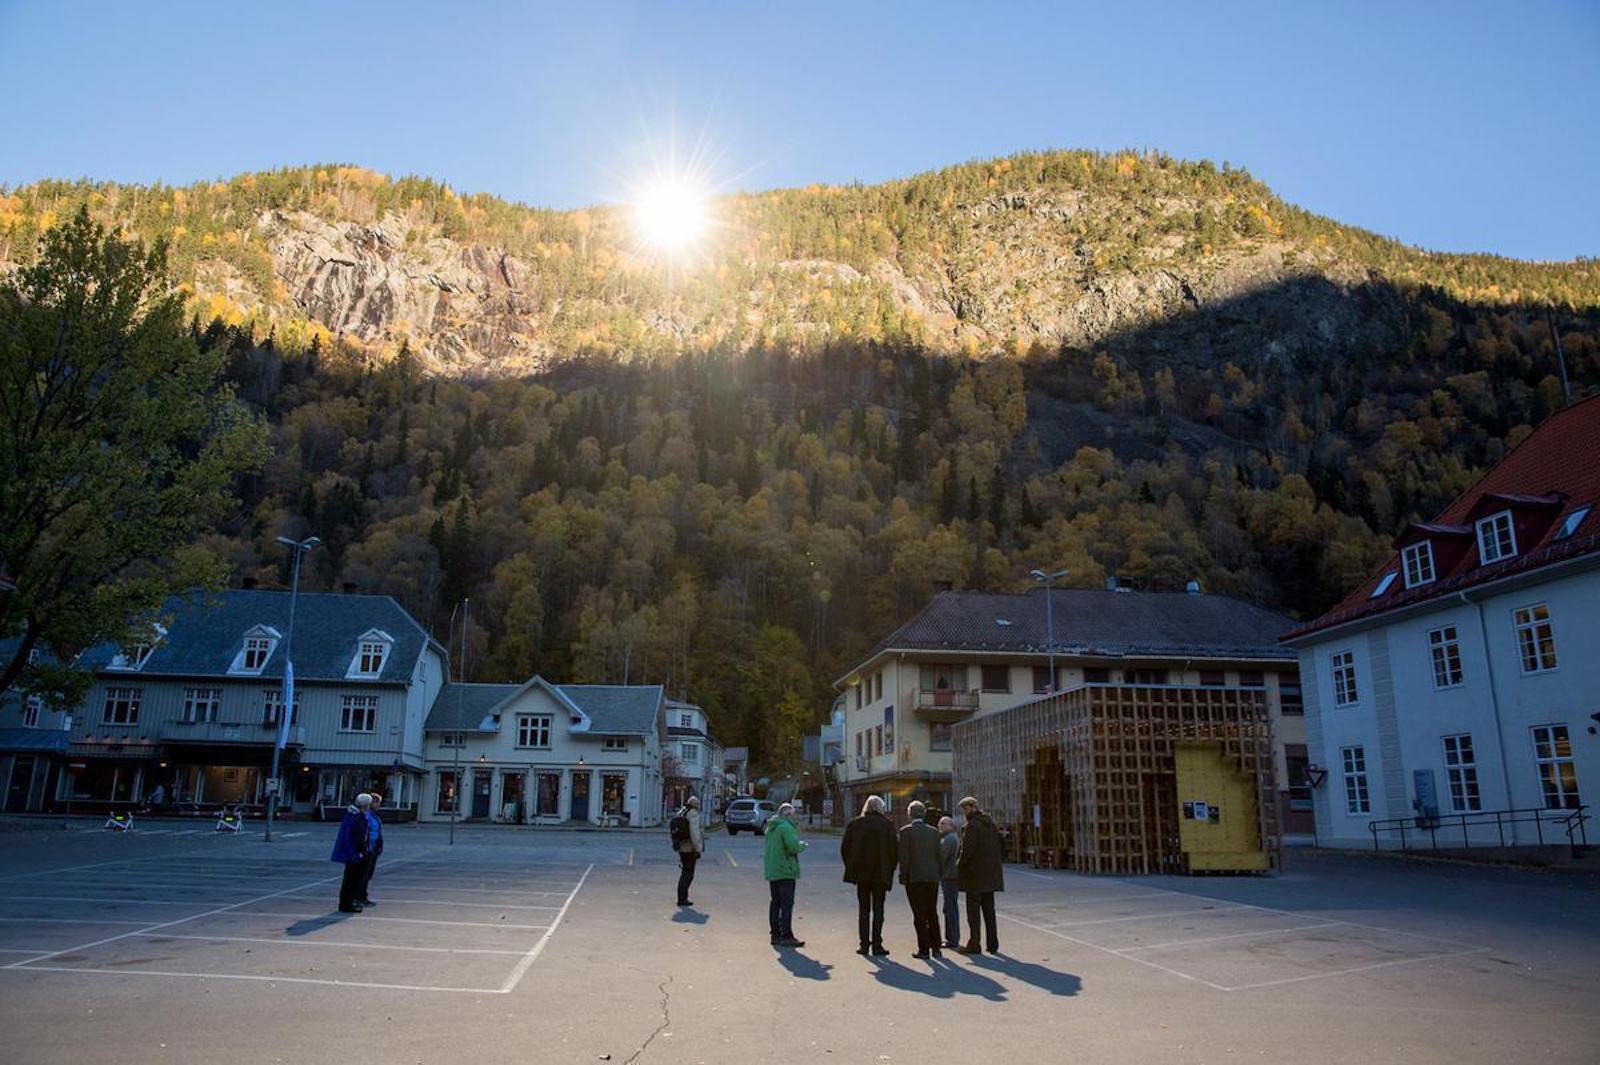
[(781, 863)]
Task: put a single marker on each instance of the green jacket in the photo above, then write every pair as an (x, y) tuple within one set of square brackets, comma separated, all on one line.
[(781, 859)]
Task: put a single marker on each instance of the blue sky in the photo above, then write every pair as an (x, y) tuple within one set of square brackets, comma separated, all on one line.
[(1457, 126)]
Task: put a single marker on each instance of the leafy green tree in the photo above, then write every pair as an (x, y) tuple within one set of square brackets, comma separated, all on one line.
[(119, 443)]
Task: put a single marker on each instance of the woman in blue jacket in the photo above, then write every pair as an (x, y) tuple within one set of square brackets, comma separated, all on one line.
[(350, 847)]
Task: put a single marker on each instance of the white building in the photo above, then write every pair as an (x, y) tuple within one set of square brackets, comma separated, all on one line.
[(693, 761), (1463, 677), (541, 753)]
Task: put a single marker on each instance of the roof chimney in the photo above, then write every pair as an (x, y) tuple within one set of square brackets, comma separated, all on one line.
[(943, 586), (1193, 587), (247, 583), (349, 587)]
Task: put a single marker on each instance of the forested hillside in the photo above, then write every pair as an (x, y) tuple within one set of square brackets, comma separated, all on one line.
[(735, 478)]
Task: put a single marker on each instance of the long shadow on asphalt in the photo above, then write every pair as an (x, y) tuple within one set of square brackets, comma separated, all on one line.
[(945, 980), (690, 917), (1046, 979), (803, 967), (315, 924)]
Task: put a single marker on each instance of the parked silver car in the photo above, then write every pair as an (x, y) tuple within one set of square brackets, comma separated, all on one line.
[(751, 815)]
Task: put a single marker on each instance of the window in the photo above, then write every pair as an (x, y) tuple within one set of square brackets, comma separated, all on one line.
[(1496, 538), (1213, 678), (615, 743), (1445, 651), (1573, 520), (1249, 679), (944, 678), (548, 795), (446, 739), (1558, 777), (996, 678), (133, 656), (448, 792), (686, 720), (939, 736), (860, 687), (691, 754), (858, 744), (370, 659), (122, 706), (1145, 676), (1041, 680), (1418, 560), (1296, 764), (259, 643), (877, 685), (1291, 700), (877, 740), (1096, 675), (272, 706), (1536, 640), (201, 704), (30, 711), (359, 713), (1356, 800), (1344, 678), (533, 730), (1461, 768), (1383, 585)]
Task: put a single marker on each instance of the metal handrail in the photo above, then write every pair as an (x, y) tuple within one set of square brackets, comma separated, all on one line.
[(1572, 822)]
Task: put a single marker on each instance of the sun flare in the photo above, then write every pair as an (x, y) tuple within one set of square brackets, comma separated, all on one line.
[(672, 215)]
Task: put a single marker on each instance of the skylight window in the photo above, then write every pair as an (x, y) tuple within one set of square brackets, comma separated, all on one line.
[(1574, 520), (1002, 621), (1383, 585)]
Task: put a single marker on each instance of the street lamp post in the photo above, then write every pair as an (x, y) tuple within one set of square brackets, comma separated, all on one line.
[(286, 710), (461, 735), (1048, 580)]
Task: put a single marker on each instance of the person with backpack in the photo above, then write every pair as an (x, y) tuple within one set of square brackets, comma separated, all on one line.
[(688, 839)]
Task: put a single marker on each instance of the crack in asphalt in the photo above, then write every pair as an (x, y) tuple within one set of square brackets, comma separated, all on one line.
[(666, 1021)]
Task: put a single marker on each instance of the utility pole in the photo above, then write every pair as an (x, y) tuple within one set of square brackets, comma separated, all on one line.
[(461, 734)]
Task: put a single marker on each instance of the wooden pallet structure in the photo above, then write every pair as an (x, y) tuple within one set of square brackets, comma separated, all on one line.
[(1113, 778)]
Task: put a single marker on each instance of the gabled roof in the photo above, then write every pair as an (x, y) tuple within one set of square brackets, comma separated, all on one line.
[(204, 632), (1093, 622), (1557, 469), (599, 709)]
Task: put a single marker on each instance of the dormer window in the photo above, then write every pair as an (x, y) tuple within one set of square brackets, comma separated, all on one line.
[(1573, 520), (1418, 558), (686, 720), (1383, 585), (372, 651), (137, 653), (1496, 538), (259, 643)]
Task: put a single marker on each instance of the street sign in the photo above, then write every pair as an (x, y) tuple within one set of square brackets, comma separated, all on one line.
[(272, 786), (827, 807)]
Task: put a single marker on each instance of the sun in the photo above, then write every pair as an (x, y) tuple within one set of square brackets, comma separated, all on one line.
[(672, 215)]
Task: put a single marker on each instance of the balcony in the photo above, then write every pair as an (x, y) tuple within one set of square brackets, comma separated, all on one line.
[(251, 732), (945, 704)]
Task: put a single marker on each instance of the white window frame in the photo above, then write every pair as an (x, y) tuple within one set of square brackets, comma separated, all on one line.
[(272, 706), (121, 709), (1548, 761), (1536, 638), (1461, 772), (30, 711), (1417, 560), (358, 713), (260, 640), (201, 705), (372, 644), (614, 743), (1357, 796), (1346, 692), (1444, 650), (533, 731), (691, 754), (686, 720), (1490, 530)]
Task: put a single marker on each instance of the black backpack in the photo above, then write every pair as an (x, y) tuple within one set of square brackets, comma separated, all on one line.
[(678, 829)]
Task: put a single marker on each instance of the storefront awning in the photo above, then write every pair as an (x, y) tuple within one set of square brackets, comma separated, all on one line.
[(34, 740)]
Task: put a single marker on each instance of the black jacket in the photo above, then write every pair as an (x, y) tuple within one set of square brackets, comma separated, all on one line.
[(982, 859), (919, 854), (869, 851)]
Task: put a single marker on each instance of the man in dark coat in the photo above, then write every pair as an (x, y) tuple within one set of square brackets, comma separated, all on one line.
[(919, 872), (980, 864), (870, 854), (350, 847)]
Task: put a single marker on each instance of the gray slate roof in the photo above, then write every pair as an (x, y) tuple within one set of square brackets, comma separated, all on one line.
[(613, 709), (206, 630), (1094, 622)]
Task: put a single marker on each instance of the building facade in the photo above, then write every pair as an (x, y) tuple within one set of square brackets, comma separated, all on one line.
[(692, 763), (195, 709), (34, 737), (969, 654), (540, 753), (1463, 676)]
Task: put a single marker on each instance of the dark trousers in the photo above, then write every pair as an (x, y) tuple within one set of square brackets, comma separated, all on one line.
[(924, 899), (869, 905), (350, 887), (952, 911), (368, 867), (686, 862), (780, 912), (982, 901)]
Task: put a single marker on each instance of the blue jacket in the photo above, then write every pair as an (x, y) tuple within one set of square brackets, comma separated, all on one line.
[(351, 843), (375, 837)]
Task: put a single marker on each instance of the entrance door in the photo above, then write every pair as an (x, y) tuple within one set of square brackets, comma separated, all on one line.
[(580, 797), (511, 798), (21, 775), (480, 793)]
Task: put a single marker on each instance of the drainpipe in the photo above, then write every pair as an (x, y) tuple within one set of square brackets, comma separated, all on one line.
[(1494, 702)]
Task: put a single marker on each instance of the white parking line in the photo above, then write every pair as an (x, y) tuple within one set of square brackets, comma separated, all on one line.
[(1236, 935), (116, 899), (1359, 969), (527, 961), (332, 943), (404, 920), (25, 950), (1113, 953), (256, 979), (1147, 916), (64, 920), (452, 902)]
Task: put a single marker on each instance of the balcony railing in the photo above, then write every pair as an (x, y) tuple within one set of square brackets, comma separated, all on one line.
[(946, 704), (227, 732)]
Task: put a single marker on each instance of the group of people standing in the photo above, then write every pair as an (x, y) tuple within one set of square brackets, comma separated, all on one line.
[(932, 858), (358, 844)]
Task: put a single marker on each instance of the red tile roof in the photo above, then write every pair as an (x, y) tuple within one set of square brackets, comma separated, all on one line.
[(1556, 469)]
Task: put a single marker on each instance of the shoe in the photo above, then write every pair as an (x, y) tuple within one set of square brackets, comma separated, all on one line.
[(879, 950), (994, 950), (791, 941), (937, 953), (863, 950), (368, 902), (349, 909), (968, 948), (685, 902), (952, 944), (922, 954)]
